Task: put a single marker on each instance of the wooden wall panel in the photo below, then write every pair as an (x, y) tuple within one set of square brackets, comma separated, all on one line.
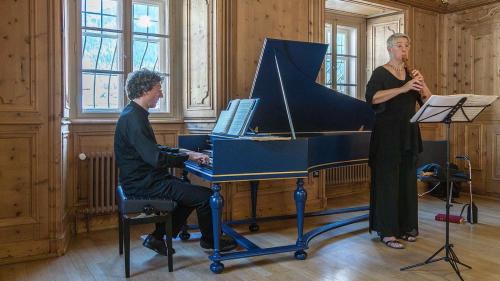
[(16, 51), (474, 145), (17, 168), (274, 198), (482, 61), (496, 155), (432, 131), (253, 21), (30, 135), (471, 66), (425, 58), (425, 46), (493, 174), (448, 52)]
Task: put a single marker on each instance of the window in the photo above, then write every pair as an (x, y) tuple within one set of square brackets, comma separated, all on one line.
[(341, 63), (345, 61), (115, 38)]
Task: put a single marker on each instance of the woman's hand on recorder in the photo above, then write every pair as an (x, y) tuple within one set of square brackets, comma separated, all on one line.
[(413, 84)]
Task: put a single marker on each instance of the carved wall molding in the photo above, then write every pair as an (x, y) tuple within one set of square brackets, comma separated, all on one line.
[(20, 177), (199, 66), (472, 17), (449, 6)]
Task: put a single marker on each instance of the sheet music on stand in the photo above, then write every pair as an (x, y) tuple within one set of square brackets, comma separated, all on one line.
[(234, 120), (438, 107), (226, 117), (241, 117)]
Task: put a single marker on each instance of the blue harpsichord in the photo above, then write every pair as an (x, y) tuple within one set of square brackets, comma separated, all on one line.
[(297, 126)]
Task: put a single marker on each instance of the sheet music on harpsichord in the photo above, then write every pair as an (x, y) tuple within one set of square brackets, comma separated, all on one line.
[(226, 117), (234, 120), (437, 108)]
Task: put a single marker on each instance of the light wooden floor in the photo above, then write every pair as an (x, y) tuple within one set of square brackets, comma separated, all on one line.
[(349, 253)]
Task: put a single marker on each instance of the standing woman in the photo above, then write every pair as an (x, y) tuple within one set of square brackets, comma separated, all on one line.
[(393, 93)]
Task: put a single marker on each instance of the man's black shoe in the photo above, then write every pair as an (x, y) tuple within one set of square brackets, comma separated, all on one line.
[(157, 245), (226, 244)]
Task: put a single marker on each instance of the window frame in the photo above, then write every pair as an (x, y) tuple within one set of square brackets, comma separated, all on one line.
[(73, 61), (337, 19)]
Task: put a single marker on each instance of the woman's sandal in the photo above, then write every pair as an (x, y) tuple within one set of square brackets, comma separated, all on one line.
[(409, 238), (395, 244)]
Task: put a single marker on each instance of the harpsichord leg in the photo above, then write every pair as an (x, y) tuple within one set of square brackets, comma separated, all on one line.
[(216, 204), (300, 196), (254, 186)]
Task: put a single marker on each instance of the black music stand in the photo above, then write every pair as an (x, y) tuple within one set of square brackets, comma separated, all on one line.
[(443, 109)]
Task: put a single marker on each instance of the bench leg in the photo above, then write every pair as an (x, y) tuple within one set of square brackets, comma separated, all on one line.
[(126, 240), (168, 231), (120, 233)]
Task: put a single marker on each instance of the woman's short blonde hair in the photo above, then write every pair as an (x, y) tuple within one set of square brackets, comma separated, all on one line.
[(396, 36)]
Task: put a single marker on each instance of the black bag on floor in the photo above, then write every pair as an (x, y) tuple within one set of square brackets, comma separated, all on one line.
[(432, 172)]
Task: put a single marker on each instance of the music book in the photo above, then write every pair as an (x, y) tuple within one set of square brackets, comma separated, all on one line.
[(225, 118), (234, 121), (436, 108)]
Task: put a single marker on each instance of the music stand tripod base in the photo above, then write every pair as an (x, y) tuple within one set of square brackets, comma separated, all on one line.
[(423, 116)]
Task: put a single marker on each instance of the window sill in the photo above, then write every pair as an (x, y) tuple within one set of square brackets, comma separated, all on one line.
[(107, 121)]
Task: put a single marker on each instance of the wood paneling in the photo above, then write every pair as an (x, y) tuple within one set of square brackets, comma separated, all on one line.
[(16, 25), (17, 170), (470, 66), (274, 198), (30, 135), (425, 48), (493, 162), (253, 21), (474, 145)]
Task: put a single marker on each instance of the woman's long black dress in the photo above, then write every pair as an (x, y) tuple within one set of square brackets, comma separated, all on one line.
[(394, 146)]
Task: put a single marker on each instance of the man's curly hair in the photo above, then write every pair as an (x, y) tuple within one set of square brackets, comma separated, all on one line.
[(141, 81)]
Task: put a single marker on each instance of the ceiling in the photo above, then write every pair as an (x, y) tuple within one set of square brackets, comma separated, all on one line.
[(359, 7), (368, 8)]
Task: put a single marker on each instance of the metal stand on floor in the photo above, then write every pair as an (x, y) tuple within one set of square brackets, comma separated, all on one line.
[(450, 255)]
